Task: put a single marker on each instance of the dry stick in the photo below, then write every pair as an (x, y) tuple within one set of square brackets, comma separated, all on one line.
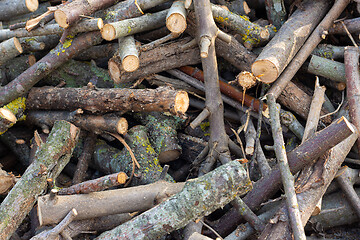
[(287, 177), (53, 234), (313, 40), (348, 189), (128, 54), (91, 123), (278, 53), (109, 100), (303, 155), (127, 27), (87, 25), (9, 49), (49, 161), (11, 8), (71, 12), (84, 159), (222, 185), (158, 42), (176, 17), (250, 133), (104, 203), (351, 60), (276, 12)]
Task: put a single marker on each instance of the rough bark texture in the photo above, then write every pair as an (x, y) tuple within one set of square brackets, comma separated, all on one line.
[(9, 49), (109, 100), (330, 69), (199, 198), (49, 161), (10, 8)]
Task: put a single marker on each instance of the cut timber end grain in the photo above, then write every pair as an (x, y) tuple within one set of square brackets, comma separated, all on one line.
[(17, 45), (246, 79), (122, 177), (181, 102), (108, 32), (130, 63), (114, 71), (32, 5), (7, 115), (176, 23), (61, 18), (122, 126), (265, 70)]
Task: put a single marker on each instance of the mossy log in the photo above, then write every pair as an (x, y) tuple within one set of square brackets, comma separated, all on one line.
[(110, 160), (199, 198), (109, 100), (11, 113), (48, 162)]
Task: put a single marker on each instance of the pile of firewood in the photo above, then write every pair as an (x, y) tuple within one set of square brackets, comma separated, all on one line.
[(156, 119)]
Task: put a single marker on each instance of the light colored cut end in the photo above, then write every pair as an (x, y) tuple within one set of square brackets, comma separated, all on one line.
[(246, 79), (17, 45), (181, 102), (100, 23), (61, 18), (168, 156), (121, 178), (122, 126), (130, 63), (265, 70), (249, 150), (265, 34), (114, 71), (176, 23), (108, 32), (32, 5), (7, 115), (349, 125), (31, 60)]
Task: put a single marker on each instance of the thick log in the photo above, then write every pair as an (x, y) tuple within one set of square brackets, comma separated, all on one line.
[(9, 49), (109, 100), (305, 154), (278, 53), (329, 51), (72, 11), (198, 198), (97, 204), (48, 162), (352, 25), (91, 123), (176, 17), (11, 8), (327, 68)]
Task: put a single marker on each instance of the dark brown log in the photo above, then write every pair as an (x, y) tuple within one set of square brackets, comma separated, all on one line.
[(109, 100), (352, 25)]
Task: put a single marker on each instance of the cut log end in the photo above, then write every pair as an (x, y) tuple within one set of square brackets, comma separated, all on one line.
[(121, 178), (17, 45), (265, 34), (265, 70), (176, 23), (100, 23), (181, 102), (122, 126), (168, 156), (130, 63), (348, 124), (246, 79), (108, 32), (114, 71), (31, 60), (8, 115), (61, 19), (32, 5)]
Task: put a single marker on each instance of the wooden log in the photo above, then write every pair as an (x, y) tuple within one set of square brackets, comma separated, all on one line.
[(329, 51), (352, 26), (14, 67), (330, 69), (10, 8), (162, 58), (48, 162), (128, 54), (109, 100), (276, 12), (110, 160), (209, 192), (7, 181), (353, 85), (176, 17), (97, 204), (71, 12), (7, 119), (303, 155), (127, 27), (91, 123), (9, 49), (278, 53)]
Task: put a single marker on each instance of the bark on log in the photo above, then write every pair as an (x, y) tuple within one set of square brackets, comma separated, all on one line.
[(128, 54), (176, 17), (10, 8), (13, 68), (49, 161), (301, 156), (91, 123), (276, 12), (97, 204), (327, 68), (352, 26), (71, 12), (199, 198), (9, 49), (11, 113), (278, 53), (109, 100), (329, 51)]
